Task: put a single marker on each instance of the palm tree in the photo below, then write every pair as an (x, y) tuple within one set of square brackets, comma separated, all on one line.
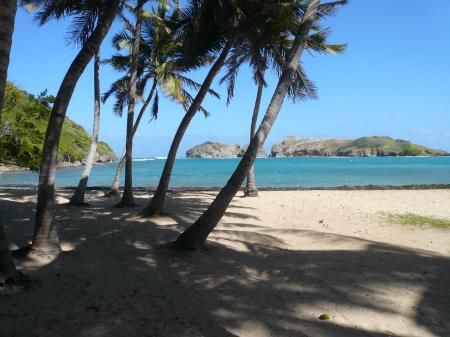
[(214, 29), (138, 12), (77, 198), (80, 31), (267, 48), (45, 242), (160, 63), (119, 102), (196, 235), (8, 8)]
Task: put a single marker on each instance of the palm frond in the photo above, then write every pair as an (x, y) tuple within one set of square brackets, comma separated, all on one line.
[(302, 87), (317, 42), (82, 26), (330, 8), (187, 82), (155, 106)]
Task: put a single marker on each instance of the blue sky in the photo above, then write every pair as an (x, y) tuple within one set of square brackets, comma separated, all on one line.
[(393, 80)]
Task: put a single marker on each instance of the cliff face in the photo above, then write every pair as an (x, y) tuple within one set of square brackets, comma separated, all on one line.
[(218, 150), (361, 147), (307, 147), (261, 153), (214, 150)]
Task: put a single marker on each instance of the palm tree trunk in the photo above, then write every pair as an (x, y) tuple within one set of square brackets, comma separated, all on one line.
[(196, 235), (250, 189), (8, 270), (78, 197), (8, 10), (127, 196), (156, 204), (45, 238), (116, 182)]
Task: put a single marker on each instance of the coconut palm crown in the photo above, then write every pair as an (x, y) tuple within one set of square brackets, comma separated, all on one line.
[(161, 60)]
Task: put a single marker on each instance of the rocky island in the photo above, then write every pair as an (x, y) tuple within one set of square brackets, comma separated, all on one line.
[(362, 147), (376, 146), (218, 150)]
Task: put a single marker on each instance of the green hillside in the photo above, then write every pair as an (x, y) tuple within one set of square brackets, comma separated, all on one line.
[(361, 147), (386, 146), (23, 126)]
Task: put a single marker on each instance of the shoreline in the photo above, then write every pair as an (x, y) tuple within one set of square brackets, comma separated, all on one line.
[(11, 168), (413, 187)]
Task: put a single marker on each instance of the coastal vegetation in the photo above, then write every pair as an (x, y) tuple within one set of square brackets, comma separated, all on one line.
[(415, 220), (23, 127)]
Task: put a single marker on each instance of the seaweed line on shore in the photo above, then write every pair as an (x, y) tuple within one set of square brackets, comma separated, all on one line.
[(216, 188)]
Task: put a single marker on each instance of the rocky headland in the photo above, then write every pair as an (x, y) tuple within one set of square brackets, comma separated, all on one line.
[(362, 147), (292, 146), (218, 150)]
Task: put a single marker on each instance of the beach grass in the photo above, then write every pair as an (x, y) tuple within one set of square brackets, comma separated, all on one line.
[(411, 219)]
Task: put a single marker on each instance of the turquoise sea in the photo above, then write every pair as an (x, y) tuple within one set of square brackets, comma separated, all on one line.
[(270, 172)]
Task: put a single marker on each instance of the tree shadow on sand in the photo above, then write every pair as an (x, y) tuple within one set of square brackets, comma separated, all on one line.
[(117, 278)]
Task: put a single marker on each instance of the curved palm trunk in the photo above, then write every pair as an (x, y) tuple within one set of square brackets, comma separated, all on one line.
[(250, 189), (78, 197), (156, 204), (127, 196), (116, 182), (196, 235), (8, 10), (45, 236)]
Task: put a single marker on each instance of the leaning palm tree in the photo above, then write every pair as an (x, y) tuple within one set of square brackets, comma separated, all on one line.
[(159, 63), (77, 198), (266, 48), (195, 236), (80, 32), (7, 18), (8, 271), (215, 28), (45, 242)]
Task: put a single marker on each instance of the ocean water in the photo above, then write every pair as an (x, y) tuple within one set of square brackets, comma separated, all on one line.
[(270, 172)]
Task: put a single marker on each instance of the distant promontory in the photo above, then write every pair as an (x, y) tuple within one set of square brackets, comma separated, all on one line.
[(362, 147), (311, 147), (218, 150)]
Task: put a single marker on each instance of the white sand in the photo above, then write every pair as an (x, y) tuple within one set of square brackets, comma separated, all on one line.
[(273, 265)]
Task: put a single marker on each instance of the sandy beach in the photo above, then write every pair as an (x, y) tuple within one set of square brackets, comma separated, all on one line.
[(272, 267)]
